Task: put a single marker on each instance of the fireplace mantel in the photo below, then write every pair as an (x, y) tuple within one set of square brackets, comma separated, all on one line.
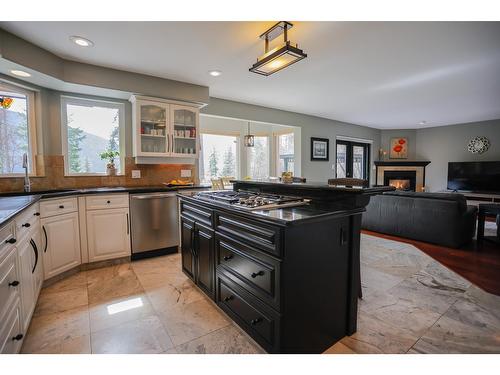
[(418, 166)]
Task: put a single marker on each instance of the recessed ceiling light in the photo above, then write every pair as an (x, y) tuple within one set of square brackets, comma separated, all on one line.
[(20, 73), (215, 73), (422, 122), (82, 42)]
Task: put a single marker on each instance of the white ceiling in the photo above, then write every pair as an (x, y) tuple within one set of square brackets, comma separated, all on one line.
[(378, 74)]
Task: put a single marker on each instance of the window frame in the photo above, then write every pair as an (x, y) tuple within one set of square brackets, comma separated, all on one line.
[(276, 136), (237, 135), (349, 157), (32, 127), (76, 100), (270, 147)]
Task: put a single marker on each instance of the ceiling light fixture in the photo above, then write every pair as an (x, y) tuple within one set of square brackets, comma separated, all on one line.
[(215, 73), (280, 57), (422, 122), (80, 41), (249, 139), (20, 73)]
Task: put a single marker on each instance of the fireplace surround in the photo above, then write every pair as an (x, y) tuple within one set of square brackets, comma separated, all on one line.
[(410, 173)]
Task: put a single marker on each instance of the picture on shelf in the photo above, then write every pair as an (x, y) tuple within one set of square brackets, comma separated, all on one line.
[(319, 149)]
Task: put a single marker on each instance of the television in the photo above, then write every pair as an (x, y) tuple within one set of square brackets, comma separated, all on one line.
[(479, 176)]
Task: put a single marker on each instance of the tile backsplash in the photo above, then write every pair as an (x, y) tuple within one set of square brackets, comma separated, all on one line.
[(53, 178)]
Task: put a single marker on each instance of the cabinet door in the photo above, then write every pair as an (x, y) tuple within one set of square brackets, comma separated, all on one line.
[(184, 131), (187, 251), (61, 241), (37, 269), (151, 131), (26, 282), (204, 240), (108, 234)]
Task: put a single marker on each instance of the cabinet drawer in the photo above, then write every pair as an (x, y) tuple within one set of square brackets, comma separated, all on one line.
[(7, 233), (96, 202), (262, 325), (10, 332), (197, 213), (58, 206), (9, 274), (253, 271), (26, 221), (262, 236)]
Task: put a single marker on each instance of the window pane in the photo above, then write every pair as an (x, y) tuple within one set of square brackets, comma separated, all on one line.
[(218, 156), (358, 156), (341, 161), (14, 136), (91, 130), (285, 153), (258, 158)]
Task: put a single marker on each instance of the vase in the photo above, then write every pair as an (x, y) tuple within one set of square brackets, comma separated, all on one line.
[(110, 169)]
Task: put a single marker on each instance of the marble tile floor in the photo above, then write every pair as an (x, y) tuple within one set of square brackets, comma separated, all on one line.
[(411, 304)]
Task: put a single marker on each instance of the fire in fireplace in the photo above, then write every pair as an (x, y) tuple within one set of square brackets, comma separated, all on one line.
[(400, 184)]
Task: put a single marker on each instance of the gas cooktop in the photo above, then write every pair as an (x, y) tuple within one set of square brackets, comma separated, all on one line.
[(252, 201)]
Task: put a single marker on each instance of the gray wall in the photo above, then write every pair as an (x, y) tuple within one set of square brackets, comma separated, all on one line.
[(411, 134), (446, 144), (311, 127)]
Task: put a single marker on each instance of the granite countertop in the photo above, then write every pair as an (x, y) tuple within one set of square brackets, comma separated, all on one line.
[(13, 203), (315, 185), (281, 216)]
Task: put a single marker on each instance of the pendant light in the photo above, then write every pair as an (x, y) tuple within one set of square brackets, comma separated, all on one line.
[(249, 139), (280, 57)]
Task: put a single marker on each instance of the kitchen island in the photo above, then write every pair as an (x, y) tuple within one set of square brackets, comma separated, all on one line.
[(288, 276)]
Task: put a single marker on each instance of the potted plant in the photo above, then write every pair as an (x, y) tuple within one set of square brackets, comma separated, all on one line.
[(110, 156)]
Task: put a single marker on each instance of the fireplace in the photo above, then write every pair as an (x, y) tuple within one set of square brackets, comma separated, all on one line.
[(401, 180)]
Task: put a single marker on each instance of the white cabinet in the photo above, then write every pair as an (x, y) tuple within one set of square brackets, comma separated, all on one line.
[(108, 233), (11, 333), (27, 284), (165, 131), (61, 243)]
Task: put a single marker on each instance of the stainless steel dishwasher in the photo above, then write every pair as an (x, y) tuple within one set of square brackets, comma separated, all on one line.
[(155, 224)]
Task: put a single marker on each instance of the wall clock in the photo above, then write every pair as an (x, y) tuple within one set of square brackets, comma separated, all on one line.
[(478, 145)]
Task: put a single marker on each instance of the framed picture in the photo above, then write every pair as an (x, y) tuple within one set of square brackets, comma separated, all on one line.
[(319, 149), (399, 148)]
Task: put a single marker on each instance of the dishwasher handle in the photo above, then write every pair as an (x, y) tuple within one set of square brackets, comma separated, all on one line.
[(153, 196)]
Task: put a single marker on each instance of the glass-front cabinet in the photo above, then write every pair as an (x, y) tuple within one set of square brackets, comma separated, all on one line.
[(163, 129)]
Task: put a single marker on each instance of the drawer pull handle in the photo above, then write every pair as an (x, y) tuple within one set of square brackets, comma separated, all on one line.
[(18, 337), (255, 321), (11, 240), (36, 214), (14, 283), (27, 225), (255, 274), (228, 257), (61, 206), (228, 298), (108, 202)]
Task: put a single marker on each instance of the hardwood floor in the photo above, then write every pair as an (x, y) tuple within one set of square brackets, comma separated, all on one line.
[(478, 263)]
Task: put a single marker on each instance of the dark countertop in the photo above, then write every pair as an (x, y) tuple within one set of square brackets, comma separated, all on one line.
[(281, 216), (14, 203), (313, 185)]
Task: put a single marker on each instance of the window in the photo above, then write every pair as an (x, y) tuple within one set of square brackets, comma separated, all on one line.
[(89, 128), (17, 129), (219, 156), (258, 158), (285, 153), (352, 160)]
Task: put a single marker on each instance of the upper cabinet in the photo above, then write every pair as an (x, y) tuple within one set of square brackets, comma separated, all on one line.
[(164, 129)]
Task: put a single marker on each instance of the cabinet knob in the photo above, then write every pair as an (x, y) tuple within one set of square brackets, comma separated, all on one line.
[(14, 283), (255, 321), (18, 337), (61, 206), (108, 202), (36, 214), (255, 274), (11, 240), (228, 257), (228, 298), (27, 225)]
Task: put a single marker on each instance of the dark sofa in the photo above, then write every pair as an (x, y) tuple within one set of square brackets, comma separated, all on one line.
[(439, 218)]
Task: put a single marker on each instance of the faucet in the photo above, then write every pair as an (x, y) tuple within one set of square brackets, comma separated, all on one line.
[(27, 183)]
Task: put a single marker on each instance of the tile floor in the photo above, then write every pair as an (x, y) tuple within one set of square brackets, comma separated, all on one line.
[(411, 304)]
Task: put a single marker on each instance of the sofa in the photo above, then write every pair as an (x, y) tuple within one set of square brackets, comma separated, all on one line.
[(438, 218)]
